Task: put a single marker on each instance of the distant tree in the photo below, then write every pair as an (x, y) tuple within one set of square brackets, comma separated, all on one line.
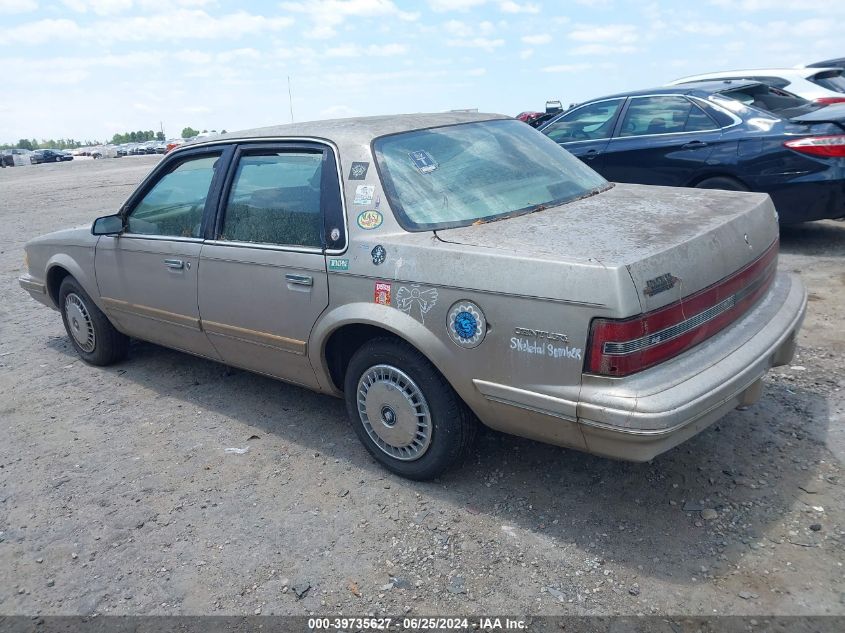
[(205, 131), (25, 144), (159, 136), (188, 132), (222, 131)]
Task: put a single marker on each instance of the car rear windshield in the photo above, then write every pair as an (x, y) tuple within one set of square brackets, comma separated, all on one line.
[(458, 175), (769, 99), (830, 79)]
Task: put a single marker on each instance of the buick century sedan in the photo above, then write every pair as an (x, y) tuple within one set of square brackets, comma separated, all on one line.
[(438, 271)]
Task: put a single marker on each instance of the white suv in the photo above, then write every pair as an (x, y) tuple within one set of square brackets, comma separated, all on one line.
[(823, 85)]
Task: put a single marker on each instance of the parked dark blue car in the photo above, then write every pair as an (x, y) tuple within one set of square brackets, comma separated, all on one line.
[(738, 135)]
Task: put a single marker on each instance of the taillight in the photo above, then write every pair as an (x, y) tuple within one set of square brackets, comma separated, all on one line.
[(829, 100), (620, 347), (823, 146)]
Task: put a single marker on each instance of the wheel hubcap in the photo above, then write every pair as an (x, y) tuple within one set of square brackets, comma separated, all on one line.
[(79, 320), (394, 412)]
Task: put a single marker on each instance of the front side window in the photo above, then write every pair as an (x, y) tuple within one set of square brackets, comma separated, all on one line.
[(456, 175), (589, 122), (175, 205), (275, 199), (664, 115)]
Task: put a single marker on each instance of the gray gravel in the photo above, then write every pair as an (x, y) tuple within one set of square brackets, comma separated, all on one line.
[(117, 494)]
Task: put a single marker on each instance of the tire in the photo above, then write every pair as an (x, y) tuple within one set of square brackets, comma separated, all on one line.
[(91, 333), (721, 182), (421, 451)]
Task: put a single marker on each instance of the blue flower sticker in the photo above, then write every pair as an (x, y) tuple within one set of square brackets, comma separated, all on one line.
[(465, 325)]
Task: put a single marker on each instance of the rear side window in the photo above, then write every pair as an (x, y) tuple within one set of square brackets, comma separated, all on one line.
[(664, 115), (593, 121), (275, 199), (831, 79)]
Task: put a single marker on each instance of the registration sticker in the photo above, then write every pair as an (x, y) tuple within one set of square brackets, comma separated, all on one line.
[(369, 220), (364, 194), (382, 293), (423, 161), (338, 264)]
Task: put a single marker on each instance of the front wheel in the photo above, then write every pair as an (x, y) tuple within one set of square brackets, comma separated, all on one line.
[(93, 336), (404, 412)]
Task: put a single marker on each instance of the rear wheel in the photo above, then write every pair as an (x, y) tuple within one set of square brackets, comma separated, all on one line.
[(404, 412), (91, 333), (721, 182)]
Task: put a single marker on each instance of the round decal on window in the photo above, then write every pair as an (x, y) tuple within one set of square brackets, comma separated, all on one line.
[(466, 324)]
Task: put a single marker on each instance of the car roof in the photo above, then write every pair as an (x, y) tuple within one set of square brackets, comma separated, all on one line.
[(801, 73), (352, 130), (705, 87)]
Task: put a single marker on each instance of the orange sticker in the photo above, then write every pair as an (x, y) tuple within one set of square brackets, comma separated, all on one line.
[(382, 293)]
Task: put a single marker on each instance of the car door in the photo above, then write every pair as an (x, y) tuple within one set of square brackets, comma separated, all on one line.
[(263, 280), (584, 131), (147, 275), (661, 140)]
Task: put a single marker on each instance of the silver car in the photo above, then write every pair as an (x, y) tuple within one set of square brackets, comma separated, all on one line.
[(434, 271)]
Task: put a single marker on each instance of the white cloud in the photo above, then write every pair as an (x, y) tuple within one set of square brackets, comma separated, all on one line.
[(708, 29), (616, 33), (442, 6), (483, 43), (537, 40), (602, 49), (100, 7), (567, 68), (327, 15), (457, 28), (175, 25), (774, 7), (17, 6), (526, 53), (509, 6), (374, 50)]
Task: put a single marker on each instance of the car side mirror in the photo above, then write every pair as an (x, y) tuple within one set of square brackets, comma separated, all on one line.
[(108, 225)]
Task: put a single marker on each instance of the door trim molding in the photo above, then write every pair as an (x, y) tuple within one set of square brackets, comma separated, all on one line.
[(155, 314), (256, 337)]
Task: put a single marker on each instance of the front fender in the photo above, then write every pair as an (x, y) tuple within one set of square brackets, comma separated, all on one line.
[(385, 317), (79, 263)]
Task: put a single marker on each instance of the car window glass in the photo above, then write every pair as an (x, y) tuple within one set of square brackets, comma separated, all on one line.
[(832, 80), (275, 199), (593, 121), (175, 204), (663, 115)]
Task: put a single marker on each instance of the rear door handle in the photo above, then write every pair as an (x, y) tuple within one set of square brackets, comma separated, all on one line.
[(176, 264), (694, 145), (300, 280), (590, 154)]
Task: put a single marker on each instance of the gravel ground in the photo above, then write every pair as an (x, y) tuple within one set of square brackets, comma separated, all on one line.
[(117, 495)]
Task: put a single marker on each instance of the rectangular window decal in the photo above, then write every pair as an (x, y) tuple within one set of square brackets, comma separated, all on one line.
[(423, 161)]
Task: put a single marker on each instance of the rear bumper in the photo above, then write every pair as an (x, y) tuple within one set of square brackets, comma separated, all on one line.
[(640, 416), (820, 196)]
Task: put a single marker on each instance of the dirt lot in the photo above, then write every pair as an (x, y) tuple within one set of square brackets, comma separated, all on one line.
[(116, 495)]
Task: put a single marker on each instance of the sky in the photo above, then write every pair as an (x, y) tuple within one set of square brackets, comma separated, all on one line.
[(87, 69)]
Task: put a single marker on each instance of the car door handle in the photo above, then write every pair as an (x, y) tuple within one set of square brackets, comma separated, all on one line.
[(300, 280), (176, 264), (694, 145), (590, 154)]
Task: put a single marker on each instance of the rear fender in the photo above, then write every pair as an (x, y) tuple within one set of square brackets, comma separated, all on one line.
[(387, 318)]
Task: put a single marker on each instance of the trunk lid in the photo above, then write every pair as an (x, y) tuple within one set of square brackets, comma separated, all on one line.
[(672, 241), (834, 113)]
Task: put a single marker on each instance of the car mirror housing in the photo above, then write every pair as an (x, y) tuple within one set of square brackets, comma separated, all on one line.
[(108, 225)]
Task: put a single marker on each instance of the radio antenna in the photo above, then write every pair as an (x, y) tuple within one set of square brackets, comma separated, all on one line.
[(290, 100)]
